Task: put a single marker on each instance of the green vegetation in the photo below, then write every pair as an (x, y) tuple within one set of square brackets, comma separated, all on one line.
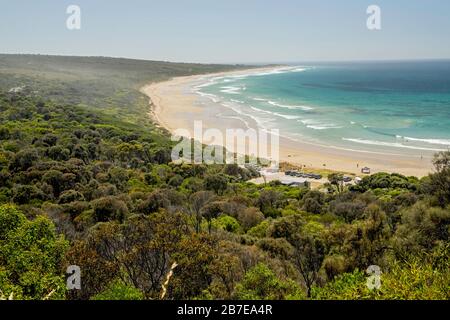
[(83, 182)]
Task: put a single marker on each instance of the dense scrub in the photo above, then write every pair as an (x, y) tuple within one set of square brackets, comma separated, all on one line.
[(89, 186), (92, 190)]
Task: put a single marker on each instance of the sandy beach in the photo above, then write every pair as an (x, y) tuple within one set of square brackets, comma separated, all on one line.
[(175, 104)]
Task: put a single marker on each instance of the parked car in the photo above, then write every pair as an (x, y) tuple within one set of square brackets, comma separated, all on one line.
[(365, 170)]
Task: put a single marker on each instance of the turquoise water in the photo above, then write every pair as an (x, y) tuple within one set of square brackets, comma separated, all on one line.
[(383, 107)]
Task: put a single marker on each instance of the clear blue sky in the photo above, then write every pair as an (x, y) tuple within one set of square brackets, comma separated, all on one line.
[(229, 30)]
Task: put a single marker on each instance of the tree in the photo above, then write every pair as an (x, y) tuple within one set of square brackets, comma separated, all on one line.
[(109, 208), (118, 290), (70, 196), (261, 283), (439, 182), (366, 241), (50, 139), (197, 201), (227, 223), (194, 256), (176, 181), (89, 254), (142, 249), (421, 229), (313, 201), (309, 253), (415, 279), (31, 257), (211, 211), (286, 227), (337, 181), (226, 270), (155, 201), (24, 159), (350, 211), (55, 179), (217, 183), (58, 153), (23, 194), (250, 217), (268, 201)]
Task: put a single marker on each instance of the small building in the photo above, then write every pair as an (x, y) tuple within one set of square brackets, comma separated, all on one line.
[(365, 170)]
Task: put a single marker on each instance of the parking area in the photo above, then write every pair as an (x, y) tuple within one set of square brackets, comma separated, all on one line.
[(289, 178)]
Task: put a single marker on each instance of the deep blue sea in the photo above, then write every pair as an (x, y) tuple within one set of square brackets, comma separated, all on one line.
[(385, 107)]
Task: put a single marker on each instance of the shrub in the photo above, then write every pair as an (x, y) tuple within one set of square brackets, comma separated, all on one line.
[(117, 290), (261, 283), (108, 209), (227, 223)]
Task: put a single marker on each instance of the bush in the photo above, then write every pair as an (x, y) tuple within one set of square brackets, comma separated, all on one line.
[(217, 183), (108, 209), (260, 230), (176, 181), (31, 256), (261, 283), (118, 290), (250, 218), (155, 201), (227, 223), (70, 196), (415, 280)]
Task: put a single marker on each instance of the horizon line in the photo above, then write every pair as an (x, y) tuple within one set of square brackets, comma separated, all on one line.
[(255, 63)]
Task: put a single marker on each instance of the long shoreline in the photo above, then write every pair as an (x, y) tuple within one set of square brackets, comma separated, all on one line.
[(174, 105)]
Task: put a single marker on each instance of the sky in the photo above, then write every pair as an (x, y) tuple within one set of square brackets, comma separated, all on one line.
[(229, 31)]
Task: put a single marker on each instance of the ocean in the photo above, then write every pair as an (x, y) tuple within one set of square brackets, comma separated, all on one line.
[(400, 108)]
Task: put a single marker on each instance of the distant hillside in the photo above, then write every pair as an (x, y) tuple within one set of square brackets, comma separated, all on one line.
[(108, 83)]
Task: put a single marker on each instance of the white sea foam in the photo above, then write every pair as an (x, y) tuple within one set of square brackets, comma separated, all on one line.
[(260, 110), (279, 70), (210, 96), (286, 116), (298, 69), (231, 90), (445, 142), (206, 84), (323, 127), (281, 115), (261, 122), (389, 144), (318, 125), (276, 104)]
